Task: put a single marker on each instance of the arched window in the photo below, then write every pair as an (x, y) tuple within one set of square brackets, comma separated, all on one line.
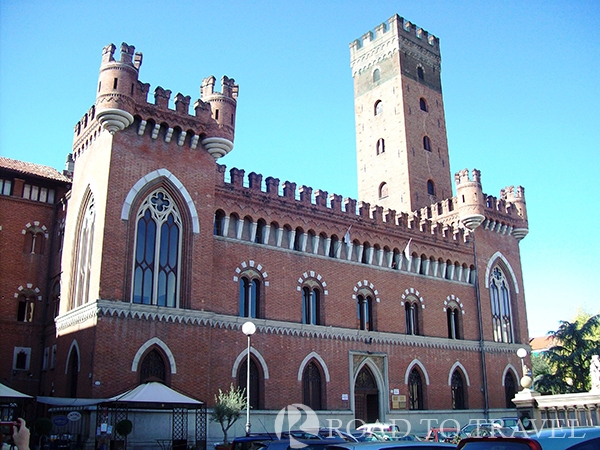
[(34, 241), (260, 231), (311, 305), (333, 247), (510, 389), (452, 318), (26, 306), (378, 108), (364, 305), (219, 223), (157, 257), (73, 373), (501, 307), (383, 190), (420, 73), (380, 146), (256, 382), (153, 367), (426, 143), (430, 187), (459, 398), (423, 104), (415, 390), (298, 239), (411, 309), (83, 258), (376, 75), (250, 291), (55, 300), (312, 386)]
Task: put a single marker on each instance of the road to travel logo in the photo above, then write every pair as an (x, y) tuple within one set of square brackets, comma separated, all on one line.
[(296, 417)]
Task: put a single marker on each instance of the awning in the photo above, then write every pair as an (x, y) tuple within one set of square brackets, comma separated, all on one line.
[(74, 402), (9, 393), (155, 394)]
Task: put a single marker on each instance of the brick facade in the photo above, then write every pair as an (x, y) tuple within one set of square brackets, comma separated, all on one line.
[(285, 237)]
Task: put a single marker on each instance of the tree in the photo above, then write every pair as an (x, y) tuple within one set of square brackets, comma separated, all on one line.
[(569, 359), (228, 407)]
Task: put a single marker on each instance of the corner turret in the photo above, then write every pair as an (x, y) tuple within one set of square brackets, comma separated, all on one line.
[(116, 87), (471, 203), (516, 197), (223, 107)]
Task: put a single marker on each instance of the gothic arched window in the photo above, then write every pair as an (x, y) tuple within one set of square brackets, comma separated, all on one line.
[(453, 317), (311, 305), (156, 270), (411, 309), (501, 307), (423, 104), (415, 390), (364, 305), (510, 389), (312, 386), (459, 395), (249, 296), (83, 258), (153, 368), (26, 306), (256, 383), (34, 241)]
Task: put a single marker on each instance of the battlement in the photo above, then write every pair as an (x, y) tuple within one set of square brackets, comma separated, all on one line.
[(128, 57), (355, 213), (396, 27), (121, 98)]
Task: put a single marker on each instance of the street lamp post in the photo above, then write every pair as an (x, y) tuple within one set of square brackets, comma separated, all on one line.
[(248, 329), (526, 380)]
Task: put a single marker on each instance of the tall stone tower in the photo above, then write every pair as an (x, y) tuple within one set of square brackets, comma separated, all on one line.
[(401, 144)]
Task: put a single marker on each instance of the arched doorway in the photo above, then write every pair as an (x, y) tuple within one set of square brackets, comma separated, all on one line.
[(366, 397)]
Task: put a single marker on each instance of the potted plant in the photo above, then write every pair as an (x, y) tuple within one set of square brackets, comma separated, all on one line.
[(43, 427), (228, 407), (123, 428)]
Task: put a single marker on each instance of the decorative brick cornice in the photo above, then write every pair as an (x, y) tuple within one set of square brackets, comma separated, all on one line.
[(128, 311)]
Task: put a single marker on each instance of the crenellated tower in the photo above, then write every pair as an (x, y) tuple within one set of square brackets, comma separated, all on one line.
[(125, 139), (401, 144)]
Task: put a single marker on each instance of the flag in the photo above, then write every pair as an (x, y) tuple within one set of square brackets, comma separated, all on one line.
[(407, 249), (347, 235)]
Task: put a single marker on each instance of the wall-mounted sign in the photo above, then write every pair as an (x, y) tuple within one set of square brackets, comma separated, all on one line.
[(345, 397), (60, 421), (74, 416)]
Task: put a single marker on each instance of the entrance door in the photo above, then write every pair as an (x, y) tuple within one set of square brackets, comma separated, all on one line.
[(366, 397)]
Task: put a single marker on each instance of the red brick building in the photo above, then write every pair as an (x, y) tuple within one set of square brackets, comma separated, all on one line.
[(407, 303)]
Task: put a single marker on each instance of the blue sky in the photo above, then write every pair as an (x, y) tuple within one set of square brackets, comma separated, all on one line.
[(521, 84)]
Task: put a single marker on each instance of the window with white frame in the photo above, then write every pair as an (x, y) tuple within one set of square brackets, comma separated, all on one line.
[(157, 253), (21, 358), (83, 262)]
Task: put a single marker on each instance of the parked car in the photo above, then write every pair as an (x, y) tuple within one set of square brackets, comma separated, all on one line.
[(392, 445), (509, 422), (574, 438), (295, 444), (441, 434), (250, 442), (366, 436), (467, 429), (384, 431)]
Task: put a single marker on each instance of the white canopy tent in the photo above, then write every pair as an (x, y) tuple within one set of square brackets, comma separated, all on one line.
[(11, 394)]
